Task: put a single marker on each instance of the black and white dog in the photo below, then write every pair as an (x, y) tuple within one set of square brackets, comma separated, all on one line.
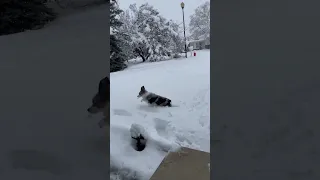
[(153, 99), (101, 101)]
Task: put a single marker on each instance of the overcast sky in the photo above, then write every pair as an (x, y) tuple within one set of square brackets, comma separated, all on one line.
[(170, 9)]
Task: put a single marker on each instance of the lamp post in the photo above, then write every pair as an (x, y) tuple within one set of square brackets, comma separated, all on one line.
[(184, 29)]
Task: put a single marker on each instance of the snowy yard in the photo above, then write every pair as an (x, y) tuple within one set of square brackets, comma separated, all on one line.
[(186, 83), (48, 78)]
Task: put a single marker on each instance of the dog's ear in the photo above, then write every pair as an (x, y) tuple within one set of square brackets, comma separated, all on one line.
[(142, 88)]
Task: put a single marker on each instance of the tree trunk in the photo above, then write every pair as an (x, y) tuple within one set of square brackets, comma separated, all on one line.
[(143, 58)]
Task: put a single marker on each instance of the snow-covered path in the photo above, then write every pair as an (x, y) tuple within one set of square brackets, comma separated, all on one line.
[(47, 80), (187, 83)]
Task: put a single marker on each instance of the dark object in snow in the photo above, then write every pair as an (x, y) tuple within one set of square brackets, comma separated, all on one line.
[(101, 101), (101, 98), (139, 143)]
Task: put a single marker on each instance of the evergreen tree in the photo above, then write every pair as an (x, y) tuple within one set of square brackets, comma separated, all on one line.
[(117, 58), (18, 15)]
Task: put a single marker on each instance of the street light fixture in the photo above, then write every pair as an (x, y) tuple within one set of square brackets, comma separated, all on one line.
[(182, 5), (184, 29)]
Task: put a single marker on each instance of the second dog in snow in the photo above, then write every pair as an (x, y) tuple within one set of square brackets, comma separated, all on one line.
[(153, 99), (101, 101)]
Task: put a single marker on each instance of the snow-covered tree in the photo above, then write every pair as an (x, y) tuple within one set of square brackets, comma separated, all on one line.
[(151, 35), (177, 41), (199, 25), (125, 32), (117, 58)]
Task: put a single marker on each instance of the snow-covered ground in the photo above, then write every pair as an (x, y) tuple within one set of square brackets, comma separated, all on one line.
[(48, 78), (186, 83)]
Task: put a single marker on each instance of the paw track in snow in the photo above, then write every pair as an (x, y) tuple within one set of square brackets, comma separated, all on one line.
[(202, 104), (143, 114), (201, 100), (148, 108), (185, 138), (121, 112), (161, 127)]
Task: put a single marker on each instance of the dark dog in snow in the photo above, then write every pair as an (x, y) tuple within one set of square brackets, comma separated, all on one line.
[(101, 101), (153, 99)]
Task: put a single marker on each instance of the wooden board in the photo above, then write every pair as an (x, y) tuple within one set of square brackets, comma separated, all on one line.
[(186, 164)]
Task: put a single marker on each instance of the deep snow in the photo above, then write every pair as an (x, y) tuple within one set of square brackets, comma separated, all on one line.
[(186, 83), (48, 78)]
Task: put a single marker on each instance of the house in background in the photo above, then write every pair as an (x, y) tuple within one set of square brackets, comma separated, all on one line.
[(199, 44)]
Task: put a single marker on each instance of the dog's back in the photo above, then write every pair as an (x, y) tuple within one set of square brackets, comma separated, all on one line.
[(104, 89), (152, 98)]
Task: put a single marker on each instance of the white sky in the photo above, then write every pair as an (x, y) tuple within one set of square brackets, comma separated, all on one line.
[(170, 9)]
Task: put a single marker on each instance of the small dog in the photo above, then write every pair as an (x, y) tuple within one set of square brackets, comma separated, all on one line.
[(153, 99), (101, 101)]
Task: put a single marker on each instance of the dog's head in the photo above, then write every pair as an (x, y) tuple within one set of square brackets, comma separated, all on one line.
[(142, 92), (97, 104), (100, 100)]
